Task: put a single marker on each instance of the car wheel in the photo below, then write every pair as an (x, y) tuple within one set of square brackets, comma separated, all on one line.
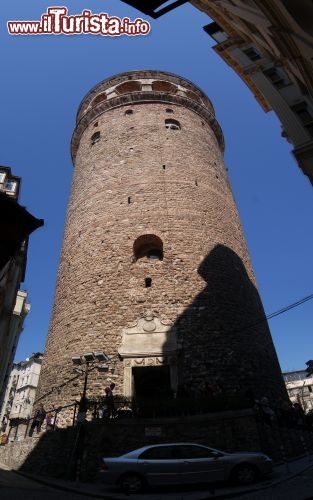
[(131, 482), (245, 474)]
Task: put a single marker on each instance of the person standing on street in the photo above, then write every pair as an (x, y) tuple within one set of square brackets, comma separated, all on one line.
[(38, 419)]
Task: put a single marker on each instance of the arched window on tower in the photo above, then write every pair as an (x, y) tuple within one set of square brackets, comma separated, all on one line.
[(171, 124), (148, 246), (98, 99)]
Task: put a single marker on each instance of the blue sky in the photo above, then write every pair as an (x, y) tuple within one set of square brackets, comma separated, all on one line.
[(43, 80)]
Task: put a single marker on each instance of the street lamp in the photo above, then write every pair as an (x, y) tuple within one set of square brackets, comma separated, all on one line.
[(89, 357), (101, 356), (85, 360), (77, 360)]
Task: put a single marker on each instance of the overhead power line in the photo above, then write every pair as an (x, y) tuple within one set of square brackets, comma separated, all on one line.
[(272, 315), (291, 306)]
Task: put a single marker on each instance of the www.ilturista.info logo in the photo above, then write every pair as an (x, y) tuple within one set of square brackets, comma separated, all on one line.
[(56, 22)]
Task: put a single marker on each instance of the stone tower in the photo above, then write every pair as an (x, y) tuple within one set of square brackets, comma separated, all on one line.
[(154, 269)]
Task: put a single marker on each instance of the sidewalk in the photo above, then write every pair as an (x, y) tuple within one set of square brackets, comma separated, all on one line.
[(98, 490)]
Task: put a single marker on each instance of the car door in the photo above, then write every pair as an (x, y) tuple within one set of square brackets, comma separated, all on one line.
[(159, 465), (199, 464)]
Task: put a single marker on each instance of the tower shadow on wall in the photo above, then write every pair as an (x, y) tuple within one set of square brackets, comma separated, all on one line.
[(226, 348)]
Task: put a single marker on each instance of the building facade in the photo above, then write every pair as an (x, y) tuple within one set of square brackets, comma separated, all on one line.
[(13, 305), (154, 269), (20, 395), (15, 228), (12, 334), (300, 388), (269, 44), (9, 397)]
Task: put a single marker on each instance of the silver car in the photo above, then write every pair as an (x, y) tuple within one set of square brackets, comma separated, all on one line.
[(182, 463)]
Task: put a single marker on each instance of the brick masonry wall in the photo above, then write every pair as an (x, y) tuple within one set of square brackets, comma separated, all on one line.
[(141, 178)]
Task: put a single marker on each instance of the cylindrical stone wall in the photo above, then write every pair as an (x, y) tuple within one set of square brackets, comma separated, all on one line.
[(154, 269)]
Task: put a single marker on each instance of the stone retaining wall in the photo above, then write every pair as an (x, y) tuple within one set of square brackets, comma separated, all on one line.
[(55, 453)]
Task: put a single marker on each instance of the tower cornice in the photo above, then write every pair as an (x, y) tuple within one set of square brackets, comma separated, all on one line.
[(144, 98), (142, 87)]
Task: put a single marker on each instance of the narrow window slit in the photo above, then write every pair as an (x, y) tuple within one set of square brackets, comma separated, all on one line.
[(148, 282), (95, 138)]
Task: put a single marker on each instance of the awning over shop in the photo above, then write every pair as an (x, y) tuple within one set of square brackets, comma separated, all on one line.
[(152, 7), (16, 224)]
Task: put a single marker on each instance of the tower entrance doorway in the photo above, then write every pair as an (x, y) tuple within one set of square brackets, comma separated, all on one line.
[(151, 382)]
